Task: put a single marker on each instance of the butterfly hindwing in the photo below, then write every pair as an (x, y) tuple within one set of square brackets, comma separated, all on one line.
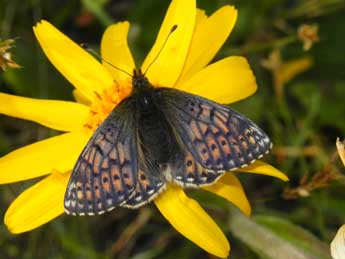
[(217, 137), (187, 172), (150, 180), (147, 188), (105, 174)]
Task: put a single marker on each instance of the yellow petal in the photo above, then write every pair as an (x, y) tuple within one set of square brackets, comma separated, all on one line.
[(59, 115), (115, 50), (260, 167), (230, 188), (80, 68), (167, 67), (208, 37), (40, 158), (341, 150), (37, 205), (80, 98), (338, 244), (187, 217), (200, 21), (225, 81)]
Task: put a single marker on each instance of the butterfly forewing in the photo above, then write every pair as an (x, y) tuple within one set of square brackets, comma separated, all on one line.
[(105, 174), (217, 137)]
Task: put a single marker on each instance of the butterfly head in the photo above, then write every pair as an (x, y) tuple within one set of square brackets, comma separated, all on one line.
[(139, 81)]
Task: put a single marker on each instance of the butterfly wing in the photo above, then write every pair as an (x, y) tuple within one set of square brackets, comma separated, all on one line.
[(188, 172), (216, 138), (106, 172), (150, 180), (148, 187)]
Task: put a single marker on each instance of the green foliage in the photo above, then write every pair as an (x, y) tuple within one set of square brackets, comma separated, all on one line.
[(308, 116)]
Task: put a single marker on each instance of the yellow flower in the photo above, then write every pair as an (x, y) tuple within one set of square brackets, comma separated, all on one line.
[(100, 87)]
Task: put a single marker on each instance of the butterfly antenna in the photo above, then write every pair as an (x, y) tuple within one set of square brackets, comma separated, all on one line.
[(86, 47), (173, 28)]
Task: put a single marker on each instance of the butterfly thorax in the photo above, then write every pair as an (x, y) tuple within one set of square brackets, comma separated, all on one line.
[(140, 81), (155, 134), (142, 91)]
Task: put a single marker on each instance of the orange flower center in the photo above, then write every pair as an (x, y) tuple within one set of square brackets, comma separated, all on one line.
[(105, 102)]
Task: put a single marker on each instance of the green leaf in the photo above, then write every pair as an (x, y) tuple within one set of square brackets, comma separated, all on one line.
[(273, 237)]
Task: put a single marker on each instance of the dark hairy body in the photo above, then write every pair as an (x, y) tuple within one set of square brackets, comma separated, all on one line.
[(155, 135)]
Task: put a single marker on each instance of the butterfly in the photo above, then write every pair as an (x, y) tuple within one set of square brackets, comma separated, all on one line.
[(158, 136)]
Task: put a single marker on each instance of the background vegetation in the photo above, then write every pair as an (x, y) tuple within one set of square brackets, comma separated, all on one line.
[(300, 103)]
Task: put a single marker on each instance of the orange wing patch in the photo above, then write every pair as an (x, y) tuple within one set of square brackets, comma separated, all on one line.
[(187, 172)]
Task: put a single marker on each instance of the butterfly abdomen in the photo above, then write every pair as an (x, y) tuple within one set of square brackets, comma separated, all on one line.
[(155, 135)]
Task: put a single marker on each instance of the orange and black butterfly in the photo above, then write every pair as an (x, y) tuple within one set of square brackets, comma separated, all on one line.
[(157, 136)]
